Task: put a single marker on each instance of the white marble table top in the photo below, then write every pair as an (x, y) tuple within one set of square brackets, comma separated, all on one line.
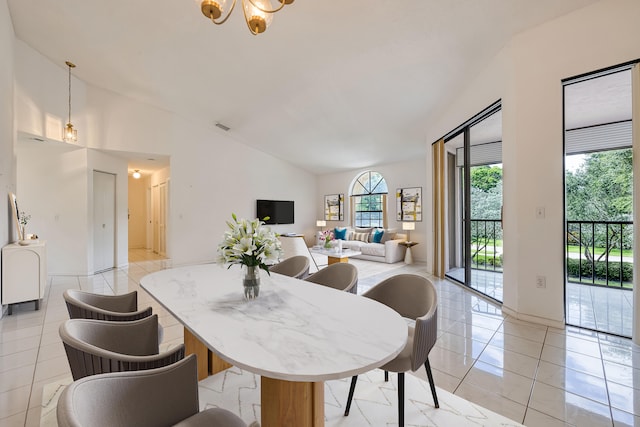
[(294, 331)]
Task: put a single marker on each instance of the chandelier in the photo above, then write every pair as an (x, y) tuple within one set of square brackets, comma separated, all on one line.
[(257, 13), (69, 134)]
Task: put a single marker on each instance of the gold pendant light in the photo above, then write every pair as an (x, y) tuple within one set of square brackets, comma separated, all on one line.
[(258, 14), (69, 134)]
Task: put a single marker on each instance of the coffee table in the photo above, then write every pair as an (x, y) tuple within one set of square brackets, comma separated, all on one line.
[(334, 256)]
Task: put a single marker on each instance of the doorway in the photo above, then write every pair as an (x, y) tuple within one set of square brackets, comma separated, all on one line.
[(104, 221), (474, 189), (159, 200), (599, 201)]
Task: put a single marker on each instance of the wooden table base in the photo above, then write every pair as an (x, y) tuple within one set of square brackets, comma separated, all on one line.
[(291, 404), (335, 260), (208, 362)]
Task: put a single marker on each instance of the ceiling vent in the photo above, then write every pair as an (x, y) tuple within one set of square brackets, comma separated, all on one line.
[(223, 127)]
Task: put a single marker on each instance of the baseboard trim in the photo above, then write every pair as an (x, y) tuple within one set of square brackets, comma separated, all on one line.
[(559, 324)]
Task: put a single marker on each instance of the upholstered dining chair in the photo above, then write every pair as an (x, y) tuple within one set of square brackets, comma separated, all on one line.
[(163, 396), (87, 305), (342, 276), (413, 297), (99, 346), (296, 266)]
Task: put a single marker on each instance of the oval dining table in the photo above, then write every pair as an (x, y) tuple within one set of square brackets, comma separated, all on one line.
[(295, 335)]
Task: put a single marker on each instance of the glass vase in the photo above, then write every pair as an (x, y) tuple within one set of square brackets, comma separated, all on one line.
[(251, 282), (327, 244)]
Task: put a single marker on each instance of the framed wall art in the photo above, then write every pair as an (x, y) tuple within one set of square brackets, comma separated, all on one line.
[(409, 204), (334, 207)]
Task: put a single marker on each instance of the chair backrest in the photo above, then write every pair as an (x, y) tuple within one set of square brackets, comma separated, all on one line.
[(157, 397), (98, 346), (87, 305), (414, 297), (296, 266), (341, 276)]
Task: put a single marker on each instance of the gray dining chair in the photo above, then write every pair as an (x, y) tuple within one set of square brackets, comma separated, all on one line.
[(163, 396), (342, 276), (100, 346), (413, 297), (296, 266), (87, 305)]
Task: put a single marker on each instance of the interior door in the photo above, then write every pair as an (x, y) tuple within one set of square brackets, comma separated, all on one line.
[(104, 220), (155, 204), (162, 219)]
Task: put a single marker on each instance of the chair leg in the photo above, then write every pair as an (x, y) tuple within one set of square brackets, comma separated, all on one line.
[(354, 379), (432, 384), (401, 399), (386, 376)]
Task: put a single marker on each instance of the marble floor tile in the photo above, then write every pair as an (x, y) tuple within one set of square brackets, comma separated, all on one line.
[(624, 419), (622, 374), (517, 328), (516, 344), (569, 407), (576, 361), (535, 418), (492, 401), (507, 384), (625, 398), (510, 361), (576, 382), (14, 401)]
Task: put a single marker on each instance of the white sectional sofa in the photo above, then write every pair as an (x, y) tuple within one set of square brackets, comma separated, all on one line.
[(362, 239)]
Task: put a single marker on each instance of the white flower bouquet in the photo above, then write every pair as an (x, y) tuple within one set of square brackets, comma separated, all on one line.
[(249, 243)]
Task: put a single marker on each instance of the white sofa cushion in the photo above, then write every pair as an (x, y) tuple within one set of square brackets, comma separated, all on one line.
[(353, 244), (375, 249)]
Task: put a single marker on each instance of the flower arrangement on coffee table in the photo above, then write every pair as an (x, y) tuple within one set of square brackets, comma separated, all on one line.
[(326, 237)]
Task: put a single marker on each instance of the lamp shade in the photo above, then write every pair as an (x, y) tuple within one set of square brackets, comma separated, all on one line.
[(408, 225), (321, 223)]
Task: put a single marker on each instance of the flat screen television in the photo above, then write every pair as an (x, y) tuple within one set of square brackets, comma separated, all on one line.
[(278, 211)]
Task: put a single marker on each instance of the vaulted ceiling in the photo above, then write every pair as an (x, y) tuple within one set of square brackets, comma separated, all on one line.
[(331, 85)]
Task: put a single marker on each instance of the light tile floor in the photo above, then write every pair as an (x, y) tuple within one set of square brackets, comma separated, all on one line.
[(605, 309), (537, 375)]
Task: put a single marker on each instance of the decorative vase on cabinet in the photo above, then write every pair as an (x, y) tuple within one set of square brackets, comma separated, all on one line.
[(24, 273)]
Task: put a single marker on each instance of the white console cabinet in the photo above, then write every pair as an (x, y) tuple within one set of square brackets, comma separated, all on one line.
[(24, 273)]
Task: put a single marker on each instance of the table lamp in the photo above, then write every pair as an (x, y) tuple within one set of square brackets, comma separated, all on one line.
[(408, 226), (320, 223)]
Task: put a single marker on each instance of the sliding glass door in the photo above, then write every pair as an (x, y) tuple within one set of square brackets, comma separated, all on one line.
[(599, 225), (474, 194)]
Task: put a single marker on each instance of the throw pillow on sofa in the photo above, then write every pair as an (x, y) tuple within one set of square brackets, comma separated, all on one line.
[(363, 237), (376, 235), (389, 234), (340, 233)]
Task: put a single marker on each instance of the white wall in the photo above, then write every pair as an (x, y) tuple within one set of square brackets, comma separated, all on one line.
[(212, 175), (397, 175), (527, 76), (52, 188), (7, 129)]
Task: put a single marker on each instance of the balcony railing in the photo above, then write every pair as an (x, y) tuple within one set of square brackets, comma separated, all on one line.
[(600, 253), (597, 252), (486, 244)]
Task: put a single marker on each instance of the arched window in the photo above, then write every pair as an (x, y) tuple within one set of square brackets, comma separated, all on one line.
[(369, 201)]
